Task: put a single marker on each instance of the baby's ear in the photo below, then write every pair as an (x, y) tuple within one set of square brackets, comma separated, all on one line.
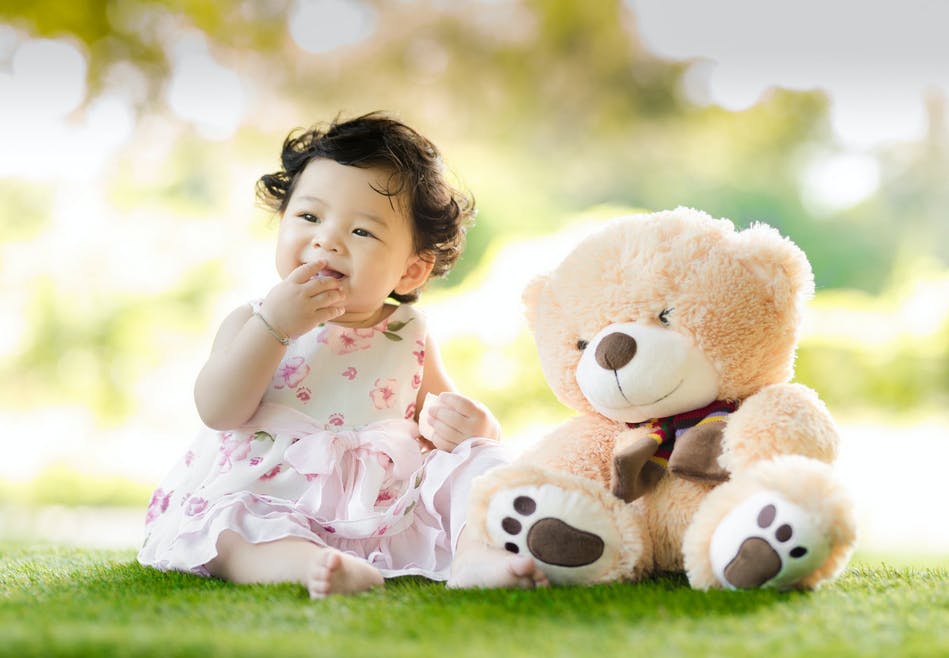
[(531, 298), (417, 270)]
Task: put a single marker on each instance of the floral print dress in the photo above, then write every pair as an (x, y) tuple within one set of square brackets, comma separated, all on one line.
[(331, 456)]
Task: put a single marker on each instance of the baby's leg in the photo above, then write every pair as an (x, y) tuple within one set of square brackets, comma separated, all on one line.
[(323, 571), (478, 565)]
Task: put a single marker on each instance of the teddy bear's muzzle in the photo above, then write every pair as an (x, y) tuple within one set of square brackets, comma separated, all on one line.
[(632, 372)]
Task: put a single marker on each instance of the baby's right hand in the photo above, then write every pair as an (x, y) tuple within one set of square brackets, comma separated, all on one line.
[(303, 300)]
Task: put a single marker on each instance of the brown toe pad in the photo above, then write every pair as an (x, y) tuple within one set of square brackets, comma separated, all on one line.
[(755, 564), (555, 542)]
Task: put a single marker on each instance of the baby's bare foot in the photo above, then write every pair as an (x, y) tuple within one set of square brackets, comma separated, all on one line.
[(498, 568), (333, 572)]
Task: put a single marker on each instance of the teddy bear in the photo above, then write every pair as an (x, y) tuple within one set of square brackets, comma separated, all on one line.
[(672, 336)]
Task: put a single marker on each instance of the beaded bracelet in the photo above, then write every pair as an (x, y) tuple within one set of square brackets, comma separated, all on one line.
[(273, 332)]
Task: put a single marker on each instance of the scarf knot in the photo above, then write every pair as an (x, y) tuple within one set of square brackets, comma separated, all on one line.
[(665, 431)]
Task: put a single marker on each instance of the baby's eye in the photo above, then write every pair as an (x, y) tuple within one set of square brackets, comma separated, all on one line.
[(309, 217), (363, 233), (664, 316), (582, 344)]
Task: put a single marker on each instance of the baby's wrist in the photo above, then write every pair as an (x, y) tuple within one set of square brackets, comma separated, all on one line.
[(278, 334)]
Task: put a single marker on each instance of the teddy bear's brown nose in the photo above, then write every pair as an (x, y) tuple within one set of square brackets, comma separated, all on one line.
[(615, 351)]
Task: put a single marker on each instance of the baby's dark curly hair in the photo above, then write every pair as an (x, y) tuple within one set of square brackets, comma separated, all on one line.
[(440, 213)]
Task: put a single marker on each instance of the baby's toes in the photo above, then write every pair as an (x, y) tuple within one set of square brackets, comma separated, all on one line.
[(320, 580), (319, 585), (525, 571), (522, 566), (540, 579)]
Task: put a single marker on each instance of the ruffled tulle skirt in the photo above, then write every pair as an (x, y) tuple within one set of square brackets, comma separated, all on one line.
[(371, 493)]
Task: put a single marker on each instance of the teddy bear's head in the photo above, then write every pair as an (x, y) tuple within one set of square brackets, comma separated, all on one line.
[(659, 314)]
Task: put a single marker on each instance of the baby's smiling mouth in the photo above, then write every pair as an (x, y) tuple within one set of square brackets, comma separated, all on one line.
[(330, 273)]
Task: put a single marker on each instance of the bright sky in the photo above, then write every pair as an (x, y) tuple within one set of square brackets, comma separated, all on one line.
[(876, 58)]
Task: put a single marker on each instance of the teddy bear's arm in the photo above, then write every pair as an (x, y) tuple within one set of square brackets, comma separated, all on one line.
[(634, 473), (696, 454), (782, 419)]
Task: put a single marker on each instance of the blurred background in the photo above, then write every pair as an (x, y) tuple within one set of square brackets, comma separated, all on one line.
[(132, 133)]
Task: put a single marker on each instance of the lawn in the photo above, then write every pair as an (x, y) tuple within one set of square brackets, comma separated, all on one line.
[(58, 601)]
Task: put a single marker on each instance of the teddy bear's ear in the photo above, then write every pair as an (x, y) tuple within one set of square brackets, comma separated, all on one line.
[(777, 262), (531, 298)]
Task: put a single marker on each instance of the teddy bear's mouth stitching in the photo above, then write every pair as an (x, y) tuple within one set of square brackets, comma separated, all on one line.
[(676, 388), (620, 387)]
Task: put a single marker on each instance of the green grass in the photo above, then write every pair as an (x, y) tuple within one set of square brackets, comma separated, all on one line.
[(58, 601)]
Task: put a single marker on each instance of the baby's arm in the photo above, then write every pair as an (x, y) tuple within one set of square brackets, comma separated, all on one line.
[(452, 416), (245, 353)]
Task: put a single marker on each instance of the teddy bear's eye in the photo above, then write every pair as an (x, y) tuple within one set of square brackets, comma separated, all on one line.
[(664, 316), (582, 344)]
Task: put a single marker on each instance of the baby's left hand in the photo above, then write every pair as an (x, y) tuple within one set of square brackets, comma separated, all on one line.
[(450, 418)]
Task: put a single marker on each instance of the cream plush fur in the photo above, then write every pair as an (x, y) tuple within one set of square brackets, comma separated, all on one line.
[(641, 304)]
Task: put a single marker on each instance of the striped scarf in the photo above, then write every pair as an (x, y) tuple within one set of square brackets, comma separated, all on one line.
[(665, 431)]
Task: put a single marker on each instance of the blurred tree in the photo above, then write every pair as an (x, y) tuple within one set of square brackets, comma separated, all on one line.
[(139, 32), (545, 107)]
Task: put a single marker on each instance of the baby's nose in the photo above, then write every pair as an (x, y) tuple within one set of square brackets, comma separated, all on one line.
[(326, 239)]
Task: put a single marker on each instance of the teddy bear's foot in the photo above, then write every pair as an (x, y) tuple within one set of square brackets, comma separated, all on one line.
[(785, 522), (575, 530), (527, 527), (766, 541)]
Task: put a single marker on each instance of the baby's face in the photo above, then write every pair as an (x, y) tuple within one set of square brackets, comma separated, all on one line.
[(336, 215)]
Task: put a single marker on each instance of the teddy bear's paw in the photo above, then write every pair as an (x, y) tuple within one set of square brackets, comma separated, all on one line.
[(570, 535), (766, 541)]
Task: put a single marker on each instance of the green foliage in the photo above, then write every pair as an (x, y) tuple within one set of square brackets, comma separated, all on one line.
[(507, 379), (132, 31), (89, 351), (193, 187), (882, 356), (57, 602), (849, 377), (60, 484), (26, 209)]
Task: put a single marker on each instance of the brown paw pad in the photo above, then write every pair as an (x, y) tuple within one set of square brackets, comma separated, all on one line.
[(759, 558), (549, 539)]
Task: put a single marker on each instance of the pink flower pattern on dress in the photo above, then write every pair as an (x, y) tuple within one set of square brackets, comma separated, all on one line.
[(291, 372), (158, 505), (303, 394), (337, 420), (272, 473), (410, 411), (383, 395), (346, 341), (233, 449), (350, 373), (420, 353), (195, 506)]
